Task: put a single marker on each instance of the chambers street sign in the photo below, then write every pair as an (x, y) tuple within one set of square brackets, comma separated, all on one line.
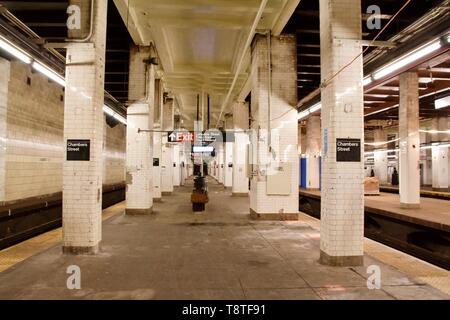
[(348, 150), (78, 150)]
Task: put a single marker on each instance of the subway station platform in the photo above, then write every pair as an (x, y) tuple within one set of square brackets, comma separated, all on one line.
[(425, 191), (219, 254)]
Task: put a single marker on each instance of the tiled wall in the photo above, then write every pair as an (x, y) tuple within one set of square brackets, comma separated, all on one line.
[(114, 154), (4, 79), (34, 134), (31, 129)]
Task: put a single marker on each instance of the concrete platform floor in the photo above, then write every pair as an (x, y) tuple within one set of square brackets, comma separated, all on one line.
[(219, 254)]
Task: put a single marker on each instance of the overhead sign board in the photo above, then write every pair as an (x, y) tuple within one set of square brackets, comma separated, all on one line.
[(204, 137), (348, 150)]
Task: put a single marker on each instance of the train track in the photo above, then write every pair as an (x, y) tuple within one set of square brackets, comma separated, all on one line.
[(426, 241), (27, 218)]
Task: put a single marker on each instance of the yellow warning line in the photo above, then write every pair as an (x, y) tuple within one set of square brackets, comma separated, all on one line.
[(24, 250)]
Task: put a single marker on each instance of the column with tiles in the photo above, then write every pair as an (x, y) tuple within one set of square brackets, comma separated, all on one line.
[(167, 149), (342, 192), (409, 155), (157, 140), (312, 147), (240, 122), (139, 167), (274, 182), (380, 157), (83, 135), (439, 154)]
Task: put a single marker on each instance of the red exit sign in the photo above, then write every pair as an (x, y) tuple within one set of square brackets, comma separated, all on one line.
[(181, 136)]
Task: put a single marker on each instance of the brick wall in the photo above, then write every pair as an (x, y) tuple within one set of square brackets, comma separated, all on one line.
[(4, 83)]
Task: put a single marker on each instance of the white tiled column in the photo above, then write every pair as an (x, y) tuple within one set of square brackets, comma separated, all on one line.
[(139, 143), (380, 157), (240, 120), (221, 158), (183, 164), (5, 67), (176, 165), (409, 155), (157, 148), (83, 120), (342, 195), (228, 153), (228, 165), (274, 184), (140, 113), (439, 155), (167, 152), (312, 147)]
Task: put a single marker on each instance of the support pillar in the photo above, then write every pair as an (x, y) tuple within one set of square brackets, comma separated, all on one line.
[(221, 158), (240, 121), (167, 152), (380, 157), (274, 183), (139, 167), (228, 154), (342, 196), (228, 165), (176, 165), (157, 137), (83, 125), (409, 154), (313, 142), (439, 155)]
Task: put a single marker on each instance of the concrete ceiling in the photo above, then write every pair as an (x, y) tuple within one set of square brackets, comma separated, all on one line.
[(199, 43)]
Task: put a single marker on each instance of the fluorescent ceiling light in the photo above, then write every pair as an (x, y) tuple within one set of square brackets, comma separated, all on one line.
[(303, 114), (119, 118), (49, 73), (198, 149), (14, 51), (114, 114), (367, 81), (442, 103), (315, 108), (407, 59), (307, 112), (108, 111)]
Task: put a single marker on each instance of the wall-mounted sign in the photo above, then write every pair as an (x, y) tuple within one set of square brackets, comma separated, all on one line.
[(78, 150), (348, 150), (156, 162)]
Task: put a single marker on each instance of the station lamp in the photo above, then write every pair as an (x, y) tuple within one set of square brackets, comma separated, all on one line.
[(14, 51), (442, 102)]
